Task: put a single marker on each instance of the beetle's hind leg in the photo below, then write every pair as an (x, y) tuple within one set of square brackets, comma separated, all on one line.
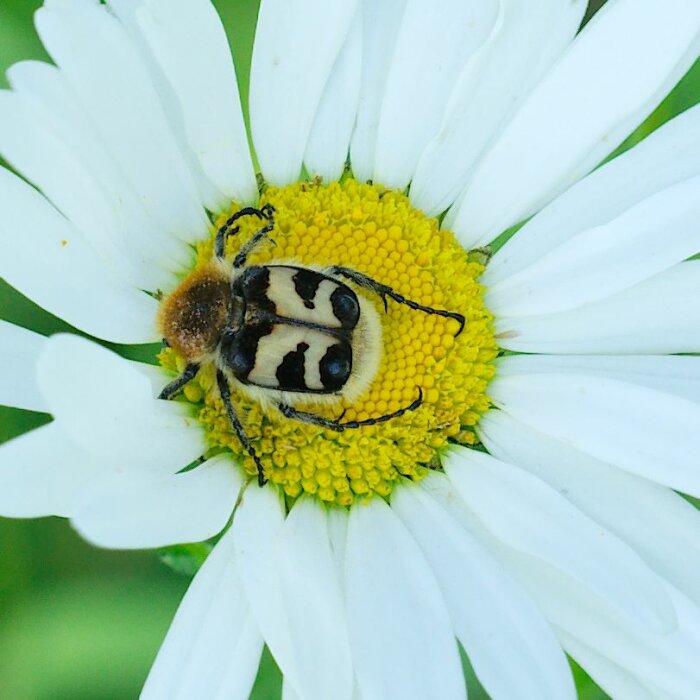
[(228, 229), (384, 291), (225, 392), (338, 425), (188, 375)]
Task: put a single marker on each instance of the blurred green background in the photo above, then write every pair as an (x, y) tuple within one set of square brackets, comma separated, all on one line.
[(79, 623)]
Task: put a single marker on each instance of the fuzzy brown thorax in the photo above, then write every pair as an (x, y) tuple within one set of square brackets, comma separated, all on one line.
[(193, 317)]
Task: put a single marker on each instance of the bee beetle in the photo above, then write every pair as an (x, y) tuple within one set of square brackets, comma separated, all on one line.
[(282, 333)]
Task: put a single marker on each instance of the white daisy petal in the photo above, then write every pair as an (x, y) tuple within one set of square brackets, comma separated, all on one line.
[(658, 316), (257, 527), (158, 376), (189, 42), (520, 509), (587, 104), (661, 525), (640, 430), (668, 156), (526, 39), (106, 406), (647, 239), (45, 473), (665, 659), (58, 118), (400, 631), (296, 44), (19, 350), (157, 511), (213, 645), (117, 93), (329, 142), (511, 647), (47, 259), (46, 161), (288, 693), (126, 10), (672, 374), (313, 603), (617, 682), (338, 533), (380, 26), (667, 662), (441, 35)]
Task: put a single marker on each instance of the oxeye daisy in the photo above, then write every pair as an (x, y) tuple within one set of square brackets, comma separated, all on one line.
[(402, 434)]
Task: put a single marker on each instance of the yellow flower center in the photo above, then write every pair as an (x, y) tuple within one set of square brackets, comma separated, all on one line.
[(379, 234)]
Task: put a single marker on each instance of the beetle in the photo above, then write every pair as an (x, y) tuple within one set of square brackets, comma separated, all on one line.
[(281, 332)]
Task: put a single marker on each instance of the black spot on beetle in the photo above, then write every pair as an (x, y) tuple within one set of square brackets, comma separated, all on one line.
[(290, 373), (254, 287), (306, 283), (336, 366), (346, 307), (239, 351)]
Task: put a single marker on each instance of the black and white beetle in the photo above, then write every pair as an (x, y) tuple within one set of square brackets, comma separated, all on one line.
[(283, 333)]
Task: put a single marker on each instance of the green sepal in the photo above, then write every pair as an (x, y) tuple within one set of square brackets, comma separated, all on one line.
[(185, 559)]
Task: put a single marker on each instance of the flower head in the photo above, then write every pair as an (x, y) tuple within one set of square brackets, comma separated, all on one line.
[(410, 428)]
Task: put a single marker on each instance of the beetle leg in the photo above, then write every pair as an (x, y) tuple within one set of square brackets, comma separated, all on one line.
[(338, 425), (228, 229), (257, 237), (384, 291), (225, 392), (187, 376)]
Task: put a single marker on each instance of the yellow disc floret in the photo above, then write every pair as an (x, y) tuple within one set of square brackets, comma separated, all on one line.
[(378, 233)]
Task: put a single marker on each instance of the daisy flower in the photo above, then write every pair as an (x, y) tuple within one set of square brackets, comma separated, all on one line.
[(406, 434)]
